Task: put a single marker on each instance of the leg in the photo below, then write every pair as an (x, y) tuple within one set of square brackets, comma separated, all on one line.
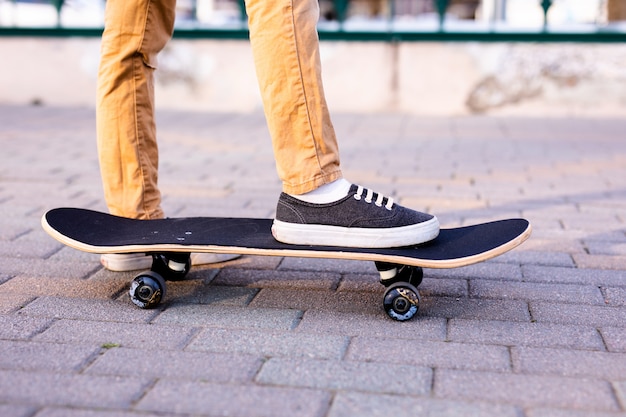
[(283, 34), (135, 31), (285, 45)]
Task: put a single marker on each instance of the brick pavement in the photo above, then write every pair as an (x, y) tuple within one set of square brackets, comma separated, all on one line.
[(538, 332)]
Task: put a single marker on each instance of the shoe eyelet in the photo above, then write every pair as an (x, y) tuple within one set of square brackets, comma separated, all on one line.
[(357, 197)]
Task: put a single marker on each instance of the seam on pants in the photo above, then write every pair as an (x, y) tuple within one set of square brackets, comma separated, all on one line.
[(304, 90), (137, 133), (138, 58)]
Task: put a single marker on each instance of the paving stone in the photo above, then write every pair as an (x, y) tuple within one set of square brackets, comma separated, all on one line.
[(434, 287), (584, 222), (360, 283), (14, 302), (616, 296), (428, 287), (578, 314), (52, 269), (484, 270), (279, 279), (346, 376), (87, 309), (563, 293), (9, 231), (14, 327), (588, 261), (12, 410), (525, 390), (620, 390), (197, 292), (615, 338), (240, 400), (11, 267), (578, 363), (155, 363), (320, 265), (27, 250), (4, 277), (349, 404), (229, 317), (81, 412), (70, 255), (605, 248), (432, 354), (477, 309), (552, 412), (550, 274), (47, 389), (149, 337), (362, 302), (30, 356), (527, 257), (509, 333), (605, 237), (65, 287), (372, 325), (267, 343), (255, 262), (536, 245), (556, 232)]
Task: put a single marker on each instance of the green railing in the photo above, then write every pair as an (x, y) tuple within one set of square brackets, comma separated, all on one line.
[(385, 29)]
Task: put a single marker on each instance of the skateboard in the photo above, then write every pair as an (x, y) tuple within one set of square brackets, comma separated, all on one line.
[(170, 241)]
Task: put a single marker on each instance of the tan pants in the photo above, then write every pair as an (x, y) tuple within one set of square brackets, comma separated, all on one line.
[(285, 46)]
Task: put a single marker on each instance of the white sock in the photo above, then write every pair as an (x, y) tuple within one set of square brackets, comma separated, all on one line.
[(327, 193)]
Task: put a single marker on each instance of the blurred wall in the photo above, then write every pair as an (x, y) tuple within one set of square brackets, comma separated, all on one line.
[(420, 78)]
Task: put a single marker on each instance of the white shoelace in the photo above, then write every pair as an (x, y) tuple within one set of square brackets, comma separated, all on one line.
[(370, 195)]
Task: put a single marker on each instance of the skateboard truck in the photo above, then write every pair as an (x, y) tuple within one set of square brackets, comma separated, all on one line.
[(173, 266), (391, 273)]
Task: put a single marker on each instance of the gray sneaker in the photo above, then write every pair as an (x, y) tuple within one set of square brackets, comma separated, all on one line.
[(363, 219)]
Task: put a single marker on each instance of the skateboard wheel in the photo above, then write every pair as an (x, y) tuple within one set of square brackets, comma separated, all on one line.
[(401, 301), (171, 266), (147, 289)]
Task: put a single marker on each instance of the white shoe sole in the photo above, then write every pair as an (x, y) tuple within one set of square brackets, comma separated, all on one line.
[(134, 261), (319, 235)]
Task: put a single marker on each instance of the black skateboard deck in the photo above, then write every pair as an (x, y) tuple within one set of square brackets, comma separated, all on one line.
[(96, 232)]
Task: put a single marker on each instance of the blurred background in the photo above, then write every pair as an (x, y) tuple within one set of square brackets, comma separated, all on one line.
[(432, 57), (409, 13)]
